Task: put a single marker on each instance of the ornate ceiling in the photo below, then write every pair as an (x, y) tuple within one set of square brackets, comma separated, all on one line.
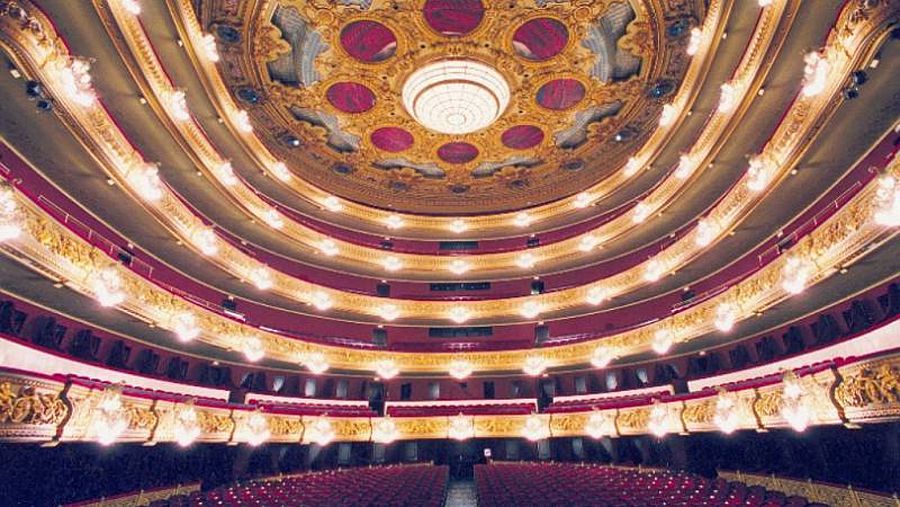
[(564, 93), (669, 144)]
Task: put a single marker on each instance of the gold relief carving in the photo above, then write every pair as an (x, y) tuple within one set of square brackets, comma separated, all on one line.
[(768, 404), (352, 429), (421, 427), (699, 413), (877, 384), (282, 426), (212, 423), (498, 426), (23, 404), (568, 424), (813, 491), (634, 420), (140, 418)]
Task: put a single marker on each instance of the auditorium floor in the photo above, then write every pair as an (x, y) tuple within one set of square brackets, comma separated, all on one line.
[(461, 494)]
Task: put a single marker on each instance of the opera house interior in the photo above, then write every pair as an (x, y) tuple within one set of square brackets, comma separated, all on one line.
[(427, 253)]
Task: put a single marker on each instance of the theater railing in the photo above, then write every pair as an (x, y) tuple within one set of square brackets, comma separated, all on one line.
[(829, 494), (50, 410), (141, 498)]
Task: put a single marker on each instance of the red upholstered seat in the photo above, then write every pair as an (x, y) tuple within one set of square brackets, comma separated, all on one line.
[(510, 484)]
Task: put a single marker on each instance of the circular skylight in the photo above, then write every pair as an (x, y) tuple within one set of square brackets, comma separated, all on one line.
[(455, 96)]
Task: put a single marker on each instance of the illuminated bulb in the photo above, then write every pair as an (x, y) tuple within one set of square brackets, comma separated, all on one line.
[(815, 73), (316, 363), (602, 356), (273, 218), (459, 314), (530, 309), (10, 219), (332, 204), (178, 105), (758, 174), (281, 171), (706, 232), (460, 369), (669, 112), (727, 98), (640, 213), (205, 240), (225, 171), (393, 222), (654, 270), (210, 51), (132, 6), (794, 405), (184, 324), (887, 201), (583, 200), (631, 167), (242, 120), (695, 41), (110, 419), (534, 365), (75, 79), (726, 414), (107, 287), (261, 277), (659, 415), (662, 341), (146, 182), (536, 428), (598, 425), (384, 430), (522, 219), (458, 226), (726, 315), (458, 266), (321, 300), (386, 369), (461, 427), (187, 425), (257, 429), (526, 260), (796, 274), (321, 432), (389, 312), (685, 166), (587, 242), (765, 3), (596, 295), (328, 247), (392, 263), (253, 349)]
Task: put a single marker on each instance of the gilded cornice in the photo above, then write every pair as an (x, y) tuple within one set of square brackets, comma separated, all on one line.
[(33, 409)]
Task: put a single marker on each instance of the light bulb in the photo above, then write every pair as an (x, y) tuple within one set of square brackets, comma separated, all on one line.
[(107, 287), (316, 363), (460, 369), (328, 247), (332, 204), (458, 226), (393, 222), (386, 369), (526, 260), (668, 115), (662, 340), (534, 365), (253, 348), (459, 314), (602, 356), (321, 300), (530, 309), (522, 219), (205, 240), (392, 263), (208, 45), (184, 324), (281, 171), (597, 295), (815, 73), (458, 266), (389, 312), (583, 200)]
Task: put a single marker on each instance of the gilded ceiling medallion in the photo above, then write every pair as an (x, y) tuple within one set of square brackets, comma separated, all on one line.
[(451, 107)]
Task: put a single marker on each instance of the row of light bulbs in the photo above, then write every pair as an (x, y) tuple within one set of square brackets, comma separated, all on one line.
[(107, 287), (110, 420)]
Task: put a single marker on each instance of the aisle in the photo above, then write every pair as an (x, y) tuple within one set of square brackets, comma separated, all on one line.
[(461, 494)]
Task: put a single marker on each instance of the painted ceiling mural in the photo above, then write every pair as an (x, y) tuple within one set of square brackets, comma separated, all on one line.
[(452, 106)]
